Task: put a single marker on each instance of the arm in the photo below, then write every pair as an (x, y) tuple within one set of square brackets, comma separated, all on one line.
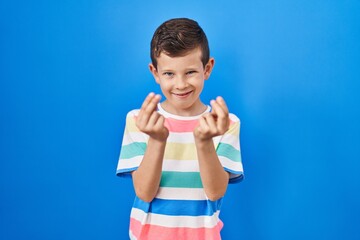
[(146, 178), (214, 178)]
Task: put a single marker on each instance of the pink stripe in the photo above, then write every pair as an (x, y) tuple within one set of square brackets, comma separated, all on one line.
[(175, 125), (153, 232), (182, 126)]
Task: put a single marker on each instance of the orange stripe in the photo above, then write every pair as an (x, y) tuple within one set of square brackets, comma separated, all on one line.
[(175, 125), (181, 126), (153, 232)]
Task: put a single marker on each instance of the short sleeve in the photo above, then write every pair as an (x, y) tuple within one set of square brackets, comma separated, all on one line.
[(132, 148), (228, 150)]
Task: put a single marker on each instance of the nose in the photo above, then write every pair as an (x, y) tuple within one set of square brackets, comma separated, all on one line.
[(181, 83)]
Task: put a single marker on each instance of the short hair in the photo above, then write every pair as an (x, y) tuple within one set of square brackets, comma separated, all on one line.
[(176, 37)]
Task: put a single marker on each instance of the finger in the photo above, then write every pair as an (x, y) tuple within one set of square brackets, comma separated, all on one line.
[(211, 123), (203, 126), (152, 104), (141, 121), (153, 119), (147, 108), (147, 100), (217, 110), (222, 121), (160, 122), (222, 104)]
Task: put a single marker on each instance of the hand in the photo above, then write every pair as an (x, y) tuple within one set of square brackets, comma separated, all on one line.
[(150, 121), (214, 123)]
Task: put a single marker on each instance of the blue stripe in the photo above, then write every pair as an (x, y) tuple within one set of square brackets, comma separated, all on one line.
[(132, 150), (179, 207), (237, 178), (125, 172), (228, 151)]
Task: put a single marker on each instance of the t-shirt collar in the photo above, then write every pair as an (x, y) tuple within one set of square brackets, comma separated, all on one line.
[(170, 115)]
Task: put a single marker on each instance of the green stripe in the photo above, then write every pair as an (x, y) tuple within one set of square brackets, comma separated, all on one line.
[(133, 150), (181, 179), (228, 151)]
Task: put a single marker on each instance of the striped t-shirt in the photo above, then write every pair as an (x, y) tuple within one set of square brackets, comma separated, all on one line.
[(181, 209)]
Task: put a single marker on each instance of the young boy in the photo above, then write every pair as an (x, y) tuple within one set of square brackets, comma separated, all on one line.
[(180, 153)]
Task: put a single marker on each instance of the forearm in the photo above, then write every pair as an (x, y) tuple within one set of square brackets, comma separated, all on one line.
[(213, 176), (146, 178)]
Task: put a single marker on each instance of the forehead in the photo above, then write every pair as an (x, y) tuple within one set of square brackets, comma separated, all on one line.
[(190, 60)]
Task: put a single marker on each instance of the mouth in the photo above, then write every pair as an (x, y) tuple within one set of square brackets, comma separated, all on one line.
[(183, 95)]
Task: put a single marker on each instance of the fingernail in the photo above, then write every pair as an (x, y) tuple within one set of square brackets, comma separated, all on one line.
[(151, 94), (212, 102)]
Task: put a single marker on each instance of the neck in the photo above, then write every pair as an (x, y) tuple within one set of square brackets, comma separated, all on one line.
[(193, 110)]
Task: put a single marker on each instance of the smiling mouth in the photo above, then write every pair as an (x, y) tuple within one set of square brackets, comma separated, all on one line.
[(183, 94)]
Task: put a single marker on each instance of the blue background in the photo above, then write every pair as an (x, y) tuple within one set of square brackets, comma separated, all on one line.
[(71, 70)]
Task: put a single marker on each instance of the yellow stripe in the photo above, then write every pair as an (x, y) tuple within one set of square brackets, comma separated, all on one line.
[(130, 124), (234, 129), (180, 151)]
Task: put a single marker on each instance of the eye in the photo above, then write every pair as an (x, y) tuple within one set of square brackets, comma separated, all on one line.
[(190, 72), (168, 74)]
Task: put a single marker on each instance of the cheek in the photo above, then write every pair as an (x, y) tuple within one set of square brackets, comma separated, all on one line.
[(165, 85), (199, 82)]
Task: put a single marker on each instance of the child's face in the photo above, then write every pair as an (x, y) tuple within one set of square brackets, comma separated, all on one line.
[(181, 80)]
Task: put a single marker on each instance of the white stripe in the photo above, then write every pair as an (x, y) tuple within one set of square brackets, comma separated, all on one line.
[(193, 165), (168, 165), (236, 166), (134, 137), (175, 221), (132, 236), (181, 193), (186, 137), (181, 165), (133, 112), (231, 140), (216, 140), (233, 117), (189, 138), (129, 163)]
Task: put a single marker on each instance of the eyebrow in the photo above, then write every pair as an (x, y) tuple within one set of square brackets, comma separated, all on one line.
[(167, 70), (186, 69)]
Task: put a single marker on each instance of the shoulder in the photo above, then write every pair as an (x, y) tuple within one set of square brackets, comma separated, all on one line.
[(131, 119), (133, 113), (234, 126), (233, 118)]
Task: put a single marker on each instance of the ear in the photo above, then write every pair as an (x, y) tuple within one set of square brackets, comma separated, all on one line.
[(208, 68), (154, 72)]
